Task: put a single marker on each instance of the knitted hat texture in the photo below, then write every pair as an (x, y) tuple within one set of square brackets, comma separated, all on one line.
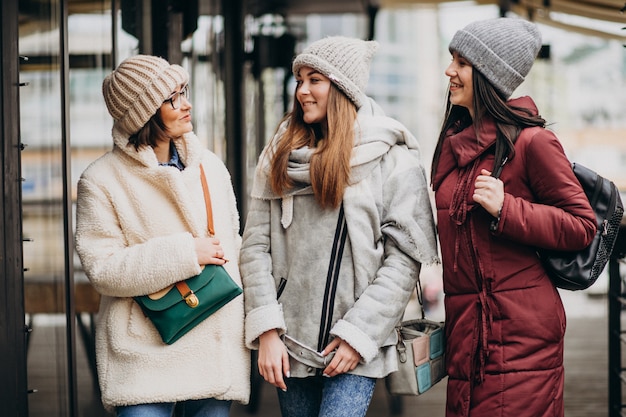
[(137, 88), (502, 49), (346, 61)]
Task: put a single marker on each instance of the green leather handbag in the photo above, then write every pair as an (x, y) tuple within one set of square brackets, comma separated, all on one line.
[(189, 302)]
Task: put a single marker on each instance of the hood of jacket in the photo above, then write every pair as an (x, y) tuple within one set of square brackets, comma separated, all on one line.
[(463, 148)]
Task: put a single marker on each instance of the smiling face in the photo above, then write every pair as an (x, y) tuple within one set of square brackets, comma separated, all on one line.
[(177, 120), (312, 94), (461, 86)]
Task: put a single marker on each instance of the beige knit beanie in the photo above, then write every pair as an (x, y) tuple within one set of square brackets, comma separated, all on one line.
[(346, 61), (137, 88), (503, 50)]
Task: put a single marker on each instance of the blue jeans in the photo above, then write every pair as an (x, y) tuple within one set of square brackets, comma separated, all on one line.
[(344, 395), (209, 407)]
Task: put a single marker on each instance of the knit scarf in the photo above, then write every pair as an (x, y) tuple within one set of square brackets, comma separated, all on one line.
[(375, 134)]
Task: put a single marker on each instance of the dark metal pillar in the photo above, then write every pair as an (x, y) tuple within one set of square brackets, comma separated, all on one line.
[(13, 395), (68, 241), (616, 303), (233, 88)]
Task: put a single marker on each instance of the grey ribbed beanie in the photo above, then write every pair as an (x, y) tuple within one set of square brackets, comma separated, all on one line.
[(346, 61), (137, 88), (502, 49)]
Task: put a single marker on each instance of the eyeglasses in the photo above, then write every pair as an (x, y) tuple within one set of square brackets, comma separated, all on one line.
[(174, 99)]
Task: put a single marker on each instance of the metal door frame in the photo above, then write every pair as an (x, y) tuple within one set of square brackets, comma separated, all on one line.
[(13, 395)]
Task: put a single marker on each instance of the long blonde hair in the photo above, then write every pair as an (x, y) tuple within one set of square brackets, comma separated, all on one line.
[(330, 162)]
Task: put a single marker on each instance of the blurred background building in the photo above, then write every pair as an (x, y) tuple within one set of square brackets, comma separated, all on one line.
[(238, 52)]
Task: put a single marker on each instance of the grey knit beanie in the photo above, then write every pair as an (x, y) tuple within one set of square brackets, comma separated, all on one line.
[(502, 49), (346, 61), (137, 88)]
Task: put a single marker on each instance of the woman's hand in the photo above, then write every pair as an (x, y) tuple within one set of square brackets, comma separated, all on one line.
[(273, 360), (209, 251), (345, 359), (489, 192)]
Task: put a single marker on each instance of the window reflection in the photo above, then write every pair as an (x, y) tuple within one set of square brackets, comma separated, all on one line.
[(42, 210), (43, 166)]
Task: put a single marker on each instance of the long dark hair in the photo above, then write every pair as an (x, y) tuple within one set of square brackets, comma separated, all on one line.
[(487, 101), (151, 133)]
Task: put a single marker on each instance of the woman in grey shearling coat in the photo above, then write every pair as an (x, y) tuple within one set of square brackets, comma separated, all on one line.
[(141, 227), (324, 338)]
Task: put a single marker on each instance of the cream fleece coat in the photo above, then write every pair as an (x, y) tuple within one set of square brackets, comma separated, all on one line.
[(288, 240), (135, 224)]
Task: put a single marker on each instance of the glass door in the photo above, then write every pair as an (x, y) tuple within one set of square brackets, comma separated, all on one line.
[(42, 114), (67, 50)]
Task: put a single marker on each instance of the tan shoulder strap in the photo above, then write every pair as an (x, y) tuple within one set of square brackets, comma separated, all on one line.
[(207, 201)]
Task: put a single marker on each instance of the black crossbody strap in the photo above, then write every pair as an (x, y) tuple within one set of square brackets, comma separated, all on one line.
[(332, 278)]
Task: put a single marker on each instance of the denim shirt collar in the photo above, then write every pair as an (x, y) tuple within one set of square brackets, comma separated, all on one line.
[(174, 160)]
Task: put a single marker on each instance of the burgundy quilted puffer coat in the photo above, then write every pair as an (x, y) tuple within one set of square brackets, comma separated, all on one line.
[(505, 321)]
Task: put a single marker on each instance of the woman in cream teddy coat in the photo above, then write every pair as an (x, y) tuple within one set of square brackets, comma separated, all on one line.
[(141, 226)]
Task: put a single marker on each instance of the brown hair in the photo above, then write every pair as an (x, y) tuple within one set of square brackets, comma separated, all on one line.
[(330, 162), (151, 133)]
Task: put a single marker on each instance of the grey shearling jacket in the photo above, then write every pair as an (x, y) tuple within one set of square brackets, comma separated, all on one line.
[(288, 239)]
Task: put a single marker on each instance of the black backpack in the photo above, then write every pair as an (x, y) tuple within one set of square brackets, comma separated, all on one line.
[(579, 270)]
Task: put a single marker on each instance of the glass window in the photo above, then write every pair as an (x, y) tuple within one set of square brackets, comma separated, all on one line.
[(45, 276)]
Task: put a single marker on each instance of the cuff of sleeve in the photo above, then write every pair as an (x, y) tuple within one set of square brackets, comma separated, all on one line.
[(359, 341), (496, 224), (262, 319)]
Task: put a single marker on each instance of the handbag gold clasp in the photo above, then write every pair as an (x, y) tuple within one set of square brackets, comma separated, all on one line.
[(191, 299)]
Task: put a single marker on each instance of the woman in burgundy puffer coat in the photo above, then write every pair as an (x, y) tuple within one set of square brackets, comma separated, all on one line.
[(505, 321)]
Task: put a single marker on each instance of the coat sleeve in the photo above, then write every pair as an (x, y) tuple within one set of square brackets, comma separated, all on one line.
[(560, 216), (120, 270), (263, 311)]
